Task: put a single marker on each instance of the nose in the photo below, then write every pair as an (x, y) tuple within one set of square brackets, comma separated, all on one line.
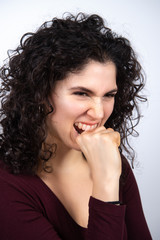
[(96, 109)]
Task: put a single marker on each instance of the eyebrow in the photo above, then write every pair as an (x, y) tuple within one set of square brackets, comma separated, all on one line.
[(79, 88)]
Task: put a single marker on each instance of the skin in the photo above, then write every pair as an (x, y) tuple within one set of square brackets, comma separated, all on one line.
[(84, 97)]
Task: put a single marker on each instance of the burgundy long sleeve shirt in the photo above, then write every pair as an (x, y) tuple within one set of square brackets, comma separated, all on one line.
[(29, 210)]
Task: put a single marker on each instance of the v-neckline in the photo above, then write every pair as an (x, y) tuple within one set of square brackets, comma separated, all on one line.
[(60, 203)]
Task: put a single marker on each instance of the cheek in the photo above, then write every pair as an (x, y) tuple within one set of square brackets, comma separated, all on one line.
[(109, 109), (73, 107), (69, 109)]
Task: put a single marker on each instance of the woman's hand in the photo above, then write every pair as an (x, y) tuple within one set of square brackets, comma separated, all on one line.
[(100, 148)]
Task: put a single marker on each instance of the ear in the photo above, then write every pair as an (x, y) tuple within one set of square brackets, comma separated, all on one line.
[(49, 107)]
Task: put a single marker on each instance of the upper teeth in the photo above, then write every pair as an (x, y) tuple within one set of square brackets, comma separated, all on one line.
[(86, 127)]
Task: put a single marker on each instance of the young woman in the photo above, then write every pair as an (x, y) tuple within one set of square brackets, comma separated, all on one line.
[(68, 96)]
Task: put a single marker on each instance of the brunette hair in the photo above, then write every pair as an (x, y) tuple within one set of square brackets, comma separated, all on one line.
[(57, 48)]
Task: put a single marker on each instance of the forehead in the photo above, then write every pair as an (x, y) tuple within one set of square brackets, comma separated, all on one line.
[(93, 75)]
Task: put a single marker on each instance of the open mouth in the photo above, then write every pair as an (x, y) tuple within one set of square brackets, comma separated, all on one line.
[(79, 127)]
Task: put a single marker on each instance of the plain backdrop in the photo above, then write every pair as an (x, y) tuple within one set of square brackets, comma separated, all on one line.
[(138, 20)]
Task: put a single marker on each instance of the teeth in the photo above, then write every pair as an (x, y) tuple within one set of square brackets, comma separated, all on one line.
[(79, 125), (86, 127), (92, 127), (83, 127)]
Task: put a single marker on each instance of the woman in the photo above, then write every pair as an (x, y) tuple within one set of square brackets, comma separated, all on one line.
[(68, 96)]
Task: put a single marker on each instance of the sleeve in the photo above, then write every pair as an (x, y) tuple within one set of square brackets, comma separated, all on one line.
[(106, 221), (15, 211), (135, 220)]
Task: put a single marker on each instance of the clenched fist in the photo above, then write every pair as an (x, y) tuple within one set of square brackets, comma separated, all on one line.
[(100, 148)]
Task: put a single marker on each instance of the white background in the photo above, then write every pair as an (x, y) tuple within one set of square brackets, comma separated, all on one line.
[(138, 20)]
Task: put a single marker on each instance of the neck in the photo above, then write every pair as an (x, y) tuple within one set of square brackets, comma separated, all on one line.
[(64, 159)]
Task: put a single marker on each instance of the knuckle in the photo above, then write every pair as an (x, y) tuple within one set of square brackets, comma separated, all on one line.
[(117, 134), (110, 130), (117, 138), (101, 128), (112, 136)]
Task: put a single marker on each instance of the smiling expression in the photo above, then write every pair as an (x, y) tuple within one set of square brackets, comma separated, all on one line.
[(82, 102)]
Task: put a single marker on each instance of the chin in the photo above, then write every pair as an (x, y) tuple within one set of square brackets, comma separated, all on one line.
[(75, 147)]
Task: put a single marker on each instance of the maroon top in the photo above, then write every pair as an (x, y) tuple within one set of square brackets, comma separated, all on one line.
[(29, 210)]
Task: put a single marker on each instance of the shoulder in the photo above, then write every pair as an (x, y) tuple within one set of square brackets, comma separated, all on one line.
[(126, 169), (21, 188), (27, 208), (128, 184), (16, 181)]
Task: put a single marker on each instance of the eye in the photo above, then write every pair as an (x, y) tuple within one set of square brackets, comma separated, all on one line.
[(110, 95), (80, 93)]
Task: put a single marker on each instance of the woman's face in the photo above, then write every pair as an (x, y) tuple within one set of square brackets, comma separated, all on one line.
[(82, 102)]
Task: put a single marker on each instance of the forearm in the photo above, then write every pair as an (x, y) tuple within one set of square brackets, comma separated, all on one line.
[(106, 190), (106, 221)]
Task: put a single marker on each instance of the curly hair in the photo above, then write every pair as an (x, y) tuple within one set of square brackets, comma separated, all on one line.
[(57, 48)]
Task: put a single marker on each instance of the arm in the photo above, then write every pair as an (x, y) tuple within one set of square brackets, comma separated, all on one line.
[(106, 221), (100, 148), (127, 221)]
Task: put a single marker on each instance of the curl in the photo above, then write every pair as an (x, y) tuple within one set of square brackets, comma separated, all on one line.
[(57, 48)]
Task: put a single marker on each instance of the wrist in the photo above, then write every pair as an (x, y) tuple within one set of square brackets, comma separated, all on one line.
[(106, 191)]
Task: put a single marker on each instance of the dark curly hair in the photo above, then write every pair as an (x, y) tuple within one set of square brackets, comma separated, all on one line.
[(57, 48)]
